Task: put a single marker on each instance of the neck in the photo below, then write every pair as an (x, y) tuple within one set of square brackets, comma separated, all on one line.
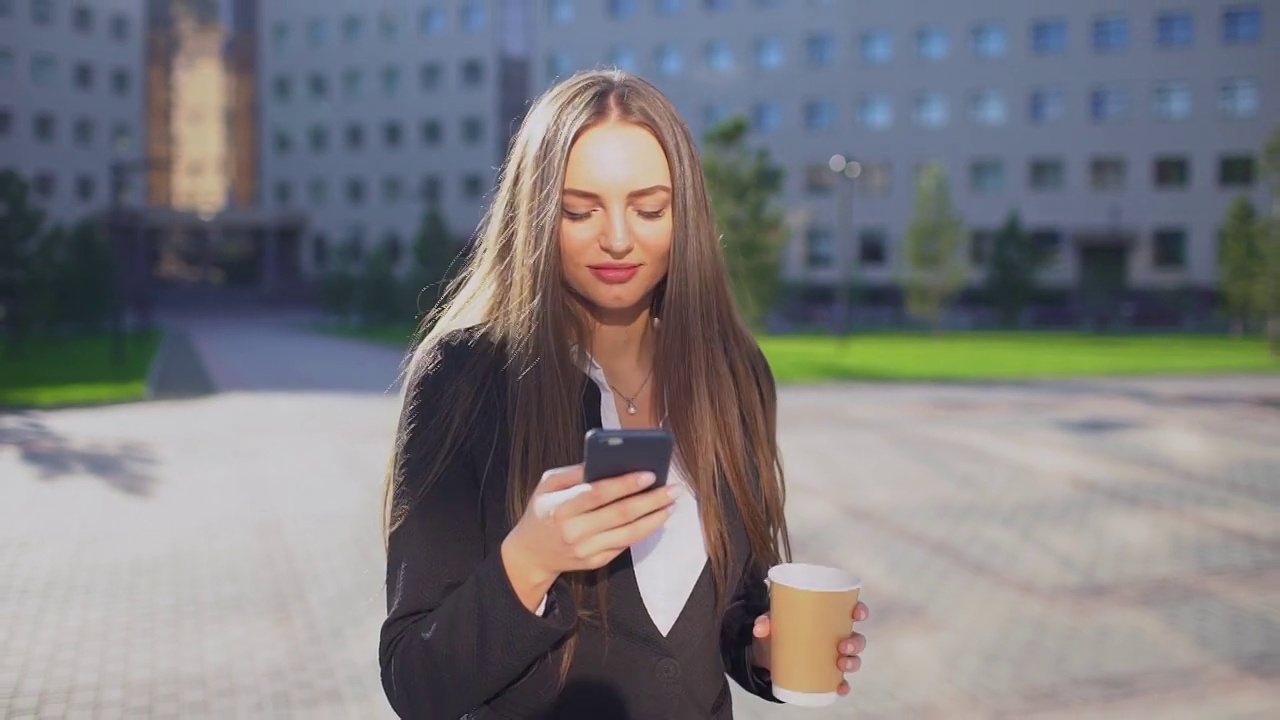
[(623, 345)]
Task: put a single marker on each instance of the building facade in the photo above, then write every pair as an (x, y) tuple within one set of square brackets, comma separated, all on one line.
[(71, 88)]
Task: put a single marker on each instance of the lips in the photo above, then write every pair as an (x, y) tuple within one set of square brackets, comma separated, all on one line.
[(614, 273)]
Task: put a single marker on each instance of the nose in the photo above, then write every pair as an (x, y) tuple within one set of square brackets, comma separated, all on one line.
[(617, 237)]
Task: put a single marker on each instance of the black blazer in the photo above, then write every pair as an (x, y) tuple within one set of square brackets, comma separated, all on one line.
[(458, 643)]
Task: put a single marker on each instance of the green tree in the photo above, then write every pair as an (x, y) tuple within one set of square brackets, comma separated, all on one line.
[(744, 184), (934, 269), (378, 291), (72, 273), (1240, 264), (21, 227), (1269, 236), (337, 289), (434, 253), (1012, 266)]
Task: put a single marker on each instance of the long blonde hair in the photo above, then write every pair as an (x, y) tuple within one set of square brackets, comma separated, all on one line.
[(511, 287)]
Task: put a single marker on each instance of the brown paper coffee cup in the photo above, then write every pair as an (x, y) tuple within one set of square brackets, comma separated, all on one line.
[(810, 612)]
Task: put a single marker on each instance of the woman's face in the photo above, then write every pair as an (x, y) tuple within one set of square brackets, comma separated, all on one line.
[(615, 222)]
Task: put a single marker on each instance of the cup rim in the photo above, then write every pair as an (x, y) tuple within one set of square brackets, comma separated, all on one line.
[(846, 581)]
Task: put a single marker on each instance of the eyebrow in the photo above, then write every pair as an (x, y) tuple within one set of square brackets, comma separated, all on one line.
[(651, 190)]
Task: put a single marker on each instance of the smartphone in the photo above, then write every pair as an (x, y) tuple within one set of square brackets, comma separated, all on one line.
[(609, 453)]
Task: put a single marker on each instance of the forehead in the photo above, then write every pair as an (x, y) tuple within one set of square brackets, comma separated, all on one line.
[(617, 156)]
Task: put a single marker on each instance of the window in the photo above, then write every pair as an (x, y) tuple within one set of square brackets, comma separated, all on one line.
[(355, 136), (1242, 25), (355, 191), (316, 32), (429, 75), (718, 5), (877, 47), (472, 73), (990, 41), (44, 185), (766, 116), (986, 176), (283, 192), (669, 7), (1175, 29), (119, 28), (282, 143), (282, 87), (82, 131), (121, 137), (1047, 242), (1111, 33), (1236, 171), (1049, 37), (42, 12), (392, 134), (389, 24), (622, 9), (472, 187), (560, 12), (769, 53), (352, 25), (1238, 98), (1171, 172), (82, 19), (1108, 105), (820, 248), (430, 188), (714, 114), (432, 131), (472, 130), (929, 111), (6, 63), (1047, 174), (931, 43), (390, 80), (318, 138), (987, 107), (392, 189), (43, 69), (120, 81), (820, 50), (6, 122), (819, 115), (432, 21), (82, 76), (669, 61), (873, 247), (279, 34), (718, 56), (875, 179), (474, 18), (317, 191), (818, 179), (320, 250), (1172, 100), (6, 8), (1107, 173), (624, 58), (85, 188), (559, 64), (317, 86), (1046, 105), (1169, 249), (875, 112), (352, 82), (44, 127)]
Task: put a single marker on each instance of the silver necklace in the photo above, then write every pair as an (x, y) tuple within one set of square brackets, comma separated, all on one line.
[(631, 401)]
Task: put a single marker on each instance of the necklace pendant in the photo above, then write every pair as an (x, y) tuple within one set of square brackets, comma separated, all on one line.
[(631, 408)]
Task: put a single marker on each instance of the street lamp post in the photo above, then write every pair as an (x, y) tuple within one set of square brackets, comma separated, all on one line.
[(847, 171), (124, 252)]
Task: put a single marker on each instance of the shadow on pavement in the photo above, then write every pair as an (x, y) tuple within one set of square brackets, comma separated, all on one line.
[(125, 466)]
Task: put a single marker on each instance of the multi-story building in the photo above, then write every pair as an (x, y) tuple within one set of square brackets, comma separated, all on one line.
[(1118, 131), (71, 85)]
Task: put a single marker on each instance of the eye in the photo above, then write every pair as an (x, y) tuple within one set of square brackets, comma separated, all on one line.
[(575, 217), (652, 214)]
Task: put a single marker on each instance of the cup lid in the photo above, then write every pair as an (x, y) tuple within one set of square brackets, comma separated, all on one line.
[(818, 578)]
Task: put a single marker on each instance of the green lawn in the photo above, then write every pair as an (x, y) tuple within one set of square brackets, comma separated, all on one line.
[(979, 355), (76, 371)]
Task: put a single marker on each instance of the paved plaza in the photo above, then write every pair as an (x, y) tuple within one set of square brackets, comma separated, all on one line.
[(1096, 549)]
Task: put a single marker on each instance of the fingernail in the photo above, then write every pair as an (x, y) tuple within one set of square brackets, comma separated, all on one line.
[(674, 491), (646, 479)]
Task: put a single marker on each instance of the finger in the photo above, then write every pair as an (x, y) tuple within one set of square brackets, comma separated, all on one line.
[(856, 643), (620, 538), (608, 490), (849, 664), (844, 688), (559, 479), (762, 627), (625, 511), (860, 612)]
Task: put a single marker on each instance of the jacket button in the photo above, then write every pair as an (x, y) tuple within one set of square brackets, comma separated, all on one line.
[(667, 669)]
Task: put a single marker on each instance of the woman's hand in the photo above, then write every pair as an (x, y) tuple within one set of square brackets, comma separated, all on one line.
[(570, 525), (848, 649)]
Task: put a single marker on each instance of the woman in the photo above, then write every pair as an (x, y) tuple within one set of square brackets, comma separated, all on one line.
[(515, 589)]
